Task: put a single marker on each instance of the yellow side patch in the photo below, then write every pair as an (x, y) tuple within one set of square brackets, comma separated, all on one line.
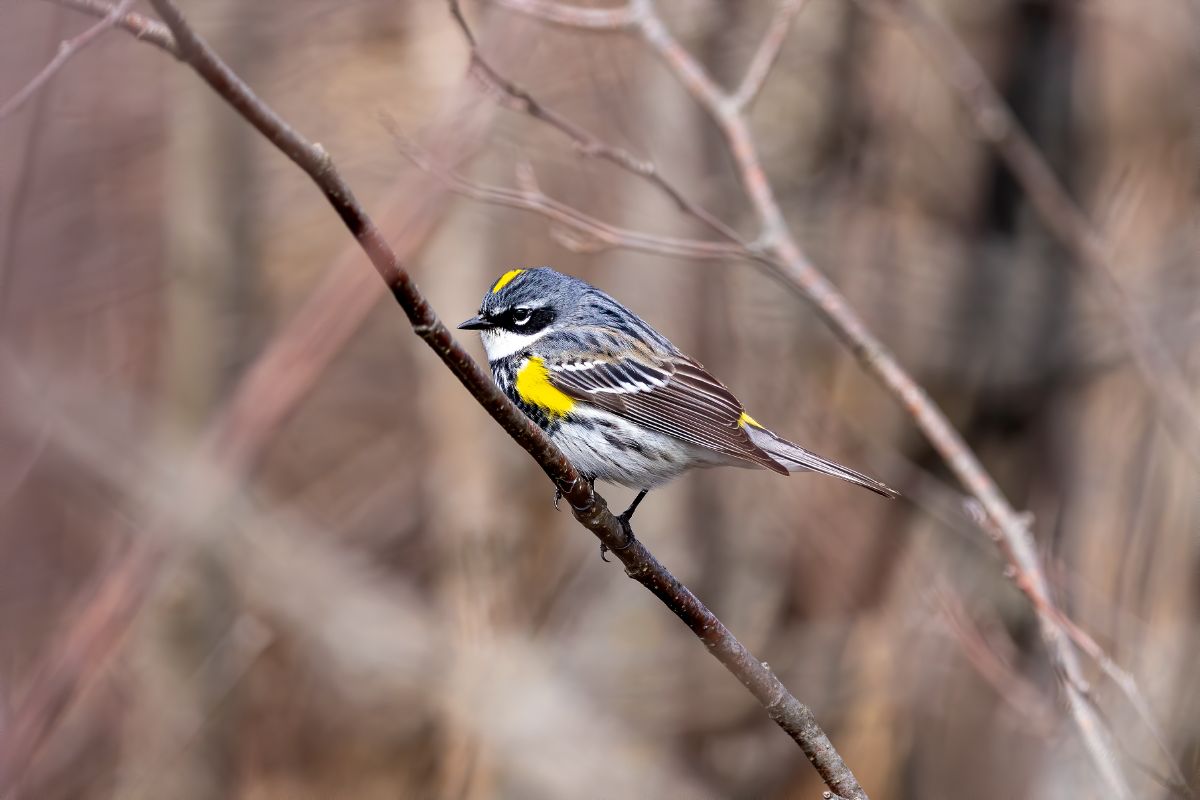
[(535, 388), (746, 419), (506, 279)]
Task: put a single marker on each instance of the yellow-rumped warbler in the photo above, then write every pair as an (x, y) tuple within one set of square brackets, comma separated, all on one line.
[(621, 402)]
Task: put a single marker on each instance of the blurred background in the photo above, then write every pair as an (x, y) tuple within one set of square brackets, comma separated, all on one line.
[(256, 541)]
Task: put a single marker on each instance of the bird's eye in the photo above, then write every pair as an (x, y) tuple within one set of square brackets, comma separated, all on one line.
[(520, 316)]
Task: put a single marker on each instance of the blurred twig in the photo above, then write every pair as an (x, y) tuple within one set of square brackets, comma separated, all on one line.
[(583, 140), (589, 508), (595, 230), (991, 665), (66, 50), (140, 26), (997, 125), (101, 623), (1123, 680), (791, 265), (767, 53)]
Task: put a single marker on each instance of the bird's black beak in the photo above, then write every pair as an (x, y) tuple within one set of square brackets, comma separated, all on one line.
[(475, 323)]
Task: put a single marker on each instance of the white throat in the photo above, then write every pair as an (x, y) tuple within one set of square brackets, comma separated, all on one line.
[(500, 343)]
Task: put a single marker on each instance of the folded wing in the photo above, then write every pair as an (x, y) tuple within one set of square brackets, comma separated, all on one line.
[(672, 395)]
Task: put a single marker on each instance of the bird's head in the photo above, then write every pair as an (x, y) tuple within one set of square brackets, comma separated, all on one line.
[(522, 306)]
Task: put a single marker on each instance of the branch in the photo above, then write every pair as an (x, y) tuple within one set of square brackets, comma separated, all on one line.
[(997, 125), (1120, 677), (584, 141), (789, 263), (767, 53), (1128, 686), (596, 230), (588, 507), (142, 27), (1014, 538), (66, 50), (266, 394)]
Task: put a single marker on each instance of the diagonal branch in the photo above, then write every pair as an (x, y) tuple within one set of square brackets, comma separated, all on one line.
[(1015, 539), (583, 140), (997, 124), (789, 263), (589, 508)]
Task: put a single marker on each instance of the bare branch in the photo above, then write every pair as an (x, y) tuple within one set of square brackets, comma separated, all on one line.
[(1013, 689), (1015, 539), (767, 53), (584, 141), (1123, 680), (142, 27), (998, 125), (66, 50), (589, 508), (530, 198), (1010, 528), (1133, 694)]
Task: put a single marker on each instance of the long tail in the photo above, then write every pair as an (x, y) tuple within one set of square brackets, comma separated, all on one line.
[(796, 459)]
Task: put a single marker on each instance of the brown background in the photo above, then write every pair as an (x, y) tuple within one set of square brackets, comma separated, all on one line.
[(390, 607)]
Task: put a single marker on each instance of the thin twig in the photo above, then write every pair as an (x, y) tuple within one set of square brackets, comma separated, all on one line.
[(1011, 687), (767, 53), (588, 507), (532, 199), (1120, 677), (142, 27), (583, 140), (66, 50), (1133, 693)]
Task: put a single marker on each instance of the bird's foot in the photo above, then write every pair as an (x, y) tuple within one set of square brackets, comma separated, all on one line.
[(624, 517)]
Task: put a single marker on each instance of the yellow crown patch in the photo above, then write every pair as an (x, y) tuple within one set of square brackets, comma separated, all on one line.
[(506, 279)]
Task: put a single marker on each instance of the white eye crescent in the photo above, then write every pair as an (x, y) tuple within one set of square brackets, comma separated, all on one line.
[(521, 316)]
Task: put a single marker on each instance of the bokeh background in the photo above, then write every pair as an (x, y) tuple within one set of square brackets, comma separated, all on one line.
[(272, 549)]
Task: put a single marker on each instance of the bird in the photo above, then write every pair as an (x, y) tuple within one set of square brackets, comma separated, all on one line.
[(622, 403)]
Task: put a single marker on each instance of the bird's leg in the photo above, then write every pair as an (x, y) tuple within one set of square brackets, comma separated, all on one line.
[(627, 514), (624, 518)]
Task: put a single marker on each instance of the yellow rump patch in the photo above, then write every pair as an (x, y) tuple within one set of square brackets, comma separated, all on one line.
[(746, 419), (506, 279), (535, 388)]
